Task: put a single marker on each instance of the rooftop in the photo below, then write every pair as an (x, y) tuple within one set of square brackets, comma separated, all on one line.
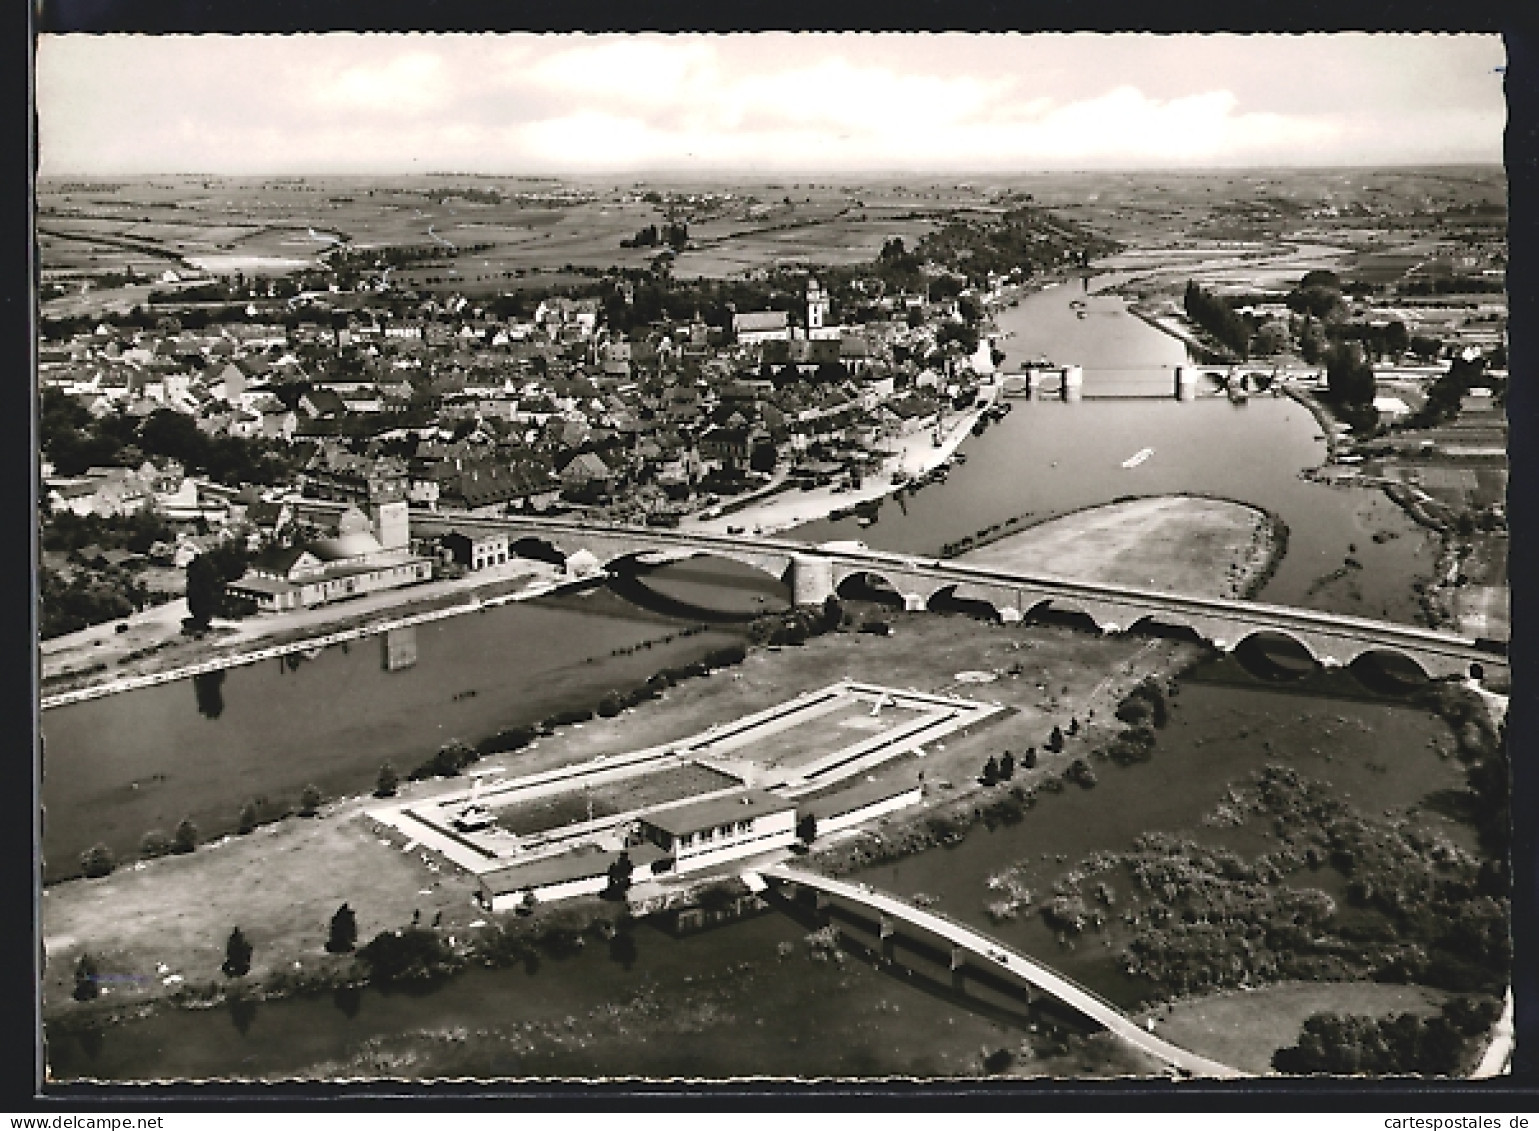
[(696, 815)]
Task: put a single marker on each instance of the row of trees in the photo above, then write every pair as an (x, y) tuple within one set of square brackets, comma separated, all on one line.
[(99, 860), (1214, 315)]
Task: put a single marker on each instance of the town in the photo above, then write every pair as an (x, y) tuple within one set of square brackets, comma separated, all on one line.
[(681, 587)]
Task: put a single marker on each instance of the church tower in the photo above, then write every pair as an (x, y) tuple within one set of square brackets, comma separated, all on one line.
[(817, 306)]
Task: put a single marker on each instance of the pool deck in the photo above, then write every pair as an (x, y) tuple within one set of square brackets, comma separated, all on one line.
[(926, 718)]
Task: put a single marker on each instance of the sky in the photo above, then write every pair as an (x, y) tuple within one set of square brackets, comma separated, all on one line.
[(743, 104)]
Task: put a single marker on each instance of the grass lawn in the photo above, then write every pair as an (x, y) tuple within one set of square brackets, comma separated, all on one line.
[(1244, 1029)]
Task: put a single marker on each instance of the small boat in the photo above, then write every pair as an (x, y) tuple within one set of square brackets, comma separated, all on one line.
[(1137, 457), (958, 458)]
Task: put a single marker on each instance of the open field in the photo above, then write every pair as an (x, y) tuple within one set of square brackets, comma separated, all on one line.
[(1181, 544), (1245, 1029)]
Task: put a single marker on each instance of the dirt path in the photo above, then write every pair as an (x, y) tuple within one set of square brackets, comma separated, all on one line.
[(1177, 543)]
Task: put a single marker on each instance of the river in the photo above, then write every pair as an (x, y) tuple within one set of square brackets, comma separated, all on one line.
[(1049, 457), (745, 996), (119, 766)]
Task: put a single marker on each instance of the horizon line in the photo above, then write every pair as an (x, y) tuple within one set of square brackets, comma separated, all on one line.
[(781, 174)]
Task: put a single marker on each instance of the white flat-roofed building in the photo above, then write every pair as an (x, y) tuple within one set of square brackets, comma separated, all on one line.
[(702, 833)]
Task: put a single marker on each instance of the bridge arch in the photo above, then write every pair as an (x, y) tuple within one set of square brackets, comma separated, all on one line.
[(1275, 657), (1390, 672), (946, 599), (537, 549), (1166, 628), (868, 585)]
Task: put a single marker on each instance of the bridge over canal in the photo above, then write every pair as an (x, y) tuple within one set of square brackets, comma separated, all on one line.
[(966, 943), (814, 572)]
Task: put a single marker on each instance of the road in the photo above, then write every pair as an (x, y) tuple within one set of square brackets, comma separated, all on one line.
[(1092, 1005)]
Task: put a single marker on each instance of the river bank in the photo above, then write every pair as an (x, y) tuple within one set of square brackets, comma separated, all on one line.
[(1189, 544), (914, 454), (77, 670)]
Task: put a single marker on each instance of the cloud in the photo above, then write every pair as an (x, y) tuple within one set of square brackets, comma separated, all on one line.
[(412, 83), (785, 101)]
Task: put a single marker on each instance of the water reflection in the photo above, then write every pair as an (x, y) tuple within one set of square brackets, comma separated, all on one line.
[(348, 1000), (622, 948), (243, 1011), (209, 690)]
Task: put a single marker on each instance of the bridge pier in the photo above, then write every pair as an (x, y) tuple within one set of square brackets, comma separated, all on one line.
[(1073, 383), (812, 580), (1186, 383), (914, 603)]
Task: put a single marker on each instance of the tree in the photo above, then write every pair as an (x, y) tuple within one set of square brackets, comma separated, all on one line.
[(1348, 375), (205, 589), (1029, 759), (309, 801), (990, 773), (87, 987), (619, 877), (807, 828), (237, 955), (1007, 766), (387, 783), (154, 844), (343, 935), (763, 457), (1055, 740), (97, 861), (186, 836)]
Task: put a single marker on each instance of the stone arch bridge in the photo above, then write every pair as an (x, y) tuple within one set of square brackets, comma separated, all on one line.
[(814, 572)]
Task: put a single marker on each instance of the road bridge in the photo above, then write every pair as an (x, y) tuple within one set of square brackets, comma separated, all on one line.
[(896, 914), (816, 572)]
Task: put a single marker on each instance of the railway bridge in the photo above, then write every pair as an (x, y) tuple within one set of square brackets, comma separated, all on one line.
[(815, 572), (966, 945)]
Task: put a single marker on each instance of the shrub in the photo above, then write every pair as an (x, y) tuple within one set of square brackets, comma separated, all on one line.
[(452, 757), (186, 836), (309, 801), (727, 657), (237, 955), (413, 954), (611, 705), (387, 783), (87, 987), (567, 718), (248, 818), (343, 932), (155, 843), (97, 861), (507, 739)]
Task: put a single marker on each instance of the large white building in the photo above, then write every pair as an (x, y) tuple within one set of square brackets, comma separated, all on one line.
[(702, 833)]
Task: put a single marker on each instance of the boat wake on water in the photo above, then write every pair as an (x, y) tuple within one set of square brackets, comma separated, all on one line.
[(1137, 457)]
